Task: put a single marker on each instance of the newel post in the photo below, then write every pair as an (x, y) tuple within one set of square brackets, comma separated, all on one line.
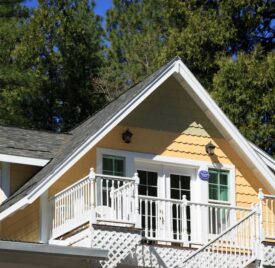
[(92, 178), (137, 216), (184, 220), (261, 198), (259, 226)]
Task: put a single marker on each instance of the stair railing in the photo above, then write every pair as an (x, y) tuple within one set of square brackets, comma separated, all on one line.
[(267, 204), (238, 246)]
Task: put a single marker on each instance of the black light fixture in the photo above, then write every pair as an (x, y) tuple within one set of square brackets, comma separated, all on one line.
[(127, 136), (210, 148)]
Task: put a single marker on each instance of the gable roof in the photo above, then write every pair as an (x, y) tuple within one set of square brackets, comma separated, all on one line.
[(30, 143), (85, 136)]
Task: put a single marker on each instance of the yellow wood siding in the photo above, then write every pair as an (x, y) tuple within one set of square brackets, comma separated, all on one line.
[(23, 225), (168, 123), (20, 174)]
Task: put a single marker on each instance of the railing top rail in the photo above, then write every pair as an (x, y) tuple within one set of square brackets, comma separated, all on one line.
[(194, 203), (219, 206), (153, 198), (269, 196), (111, 177), (69, 187), (220, 235)]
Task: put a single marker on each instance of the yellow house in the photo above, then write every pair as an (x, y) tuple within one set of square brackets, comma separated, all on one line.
[(160, 178)]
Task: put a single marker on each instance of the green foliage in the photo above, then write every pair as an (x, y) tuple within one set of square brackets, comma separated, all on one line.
[(144, 34), (12, 17), (137, 32), (61, 49), (245, 89)]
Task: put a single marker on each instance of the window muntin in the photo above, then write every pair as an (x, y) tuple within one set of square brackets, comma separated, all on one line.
[(218, 185), (180, 185), (113, 165), (148, 183)]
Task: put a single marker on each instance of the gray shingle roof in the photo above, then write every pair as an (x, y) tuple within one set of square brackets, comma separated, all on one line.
[(81, 133), (30, 143)]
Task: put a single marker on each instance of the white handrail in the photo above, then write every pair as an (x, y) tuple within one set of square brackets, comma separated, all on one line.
[(69, 187), (237, 246), (90, 199)]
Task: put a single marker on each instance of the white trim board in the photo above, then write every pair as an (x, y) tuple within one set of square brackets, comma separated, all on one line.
[(201, 97), (23, 160), (264, 156)]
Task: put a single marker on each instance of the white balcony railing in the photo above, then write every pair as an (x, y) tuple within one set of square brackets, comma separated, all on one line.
[(114, 200), (183, 221), (95, 198), (267, 206)]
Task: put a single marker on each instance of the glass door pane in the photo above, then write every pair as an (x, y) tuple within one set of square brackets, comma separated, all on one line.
[(180, 185), (149, 187)]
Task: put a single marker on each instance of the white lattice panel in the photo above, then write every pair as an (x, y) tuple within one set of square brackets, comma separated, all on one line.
[(217, 260), (119, 242), (156, 256), (269, 254)]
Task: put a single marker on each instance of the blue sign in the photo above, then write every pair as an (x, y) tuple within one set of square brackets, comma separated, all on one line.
[(204, 175)]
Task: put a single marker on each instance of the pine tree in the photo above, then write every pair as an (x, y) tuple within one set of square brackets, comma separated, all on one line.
[(12, 17), (245, 89), (203, 33), (62, 50), (136, 31)]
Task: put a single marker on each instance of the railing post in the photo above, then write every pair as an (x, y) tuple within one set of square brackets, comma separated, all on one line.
[(92, 177), (137, 216), (258, 242), (261, 198), (184, 220)]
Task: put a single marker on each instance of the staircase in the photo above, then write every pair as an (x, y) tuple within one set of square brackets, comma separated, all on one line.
[(237, 247)]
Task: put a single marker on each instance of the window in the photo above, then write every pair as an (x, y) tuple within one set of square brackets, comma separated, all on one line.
[(148, 186), (113, 165), (148, 183), (218, 185), (218, 193), (180, 185)]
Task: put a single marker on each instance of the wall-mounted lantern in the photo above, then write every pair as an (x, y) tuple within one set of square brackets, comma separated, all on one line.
[(210, 148), (127, 136)]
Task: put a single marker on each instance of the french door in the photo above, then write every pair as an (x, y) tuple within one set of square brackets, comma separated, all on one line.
[(162, 188)]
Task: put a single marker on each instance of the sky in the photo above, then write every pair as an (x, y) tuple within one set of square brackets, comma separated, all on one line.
[(101, 6)]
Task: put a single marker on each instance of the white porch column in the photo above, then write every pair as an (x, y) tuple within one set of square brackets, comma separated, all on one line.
[(45, 218)]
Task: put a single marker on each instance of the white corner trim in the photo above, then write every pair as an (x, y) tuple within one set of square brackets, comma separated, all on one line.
[(44, 218), (23, 160)]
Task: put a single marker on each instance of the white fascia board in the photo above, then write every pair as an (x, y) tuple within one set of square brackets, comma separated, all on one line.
[(221, 121), (264, 156), (52, 250), (23, 160), (93, 140)]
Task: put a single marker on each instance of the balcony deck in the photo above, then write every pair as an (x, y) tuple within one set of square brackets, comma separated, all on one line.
[(127, 218)]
